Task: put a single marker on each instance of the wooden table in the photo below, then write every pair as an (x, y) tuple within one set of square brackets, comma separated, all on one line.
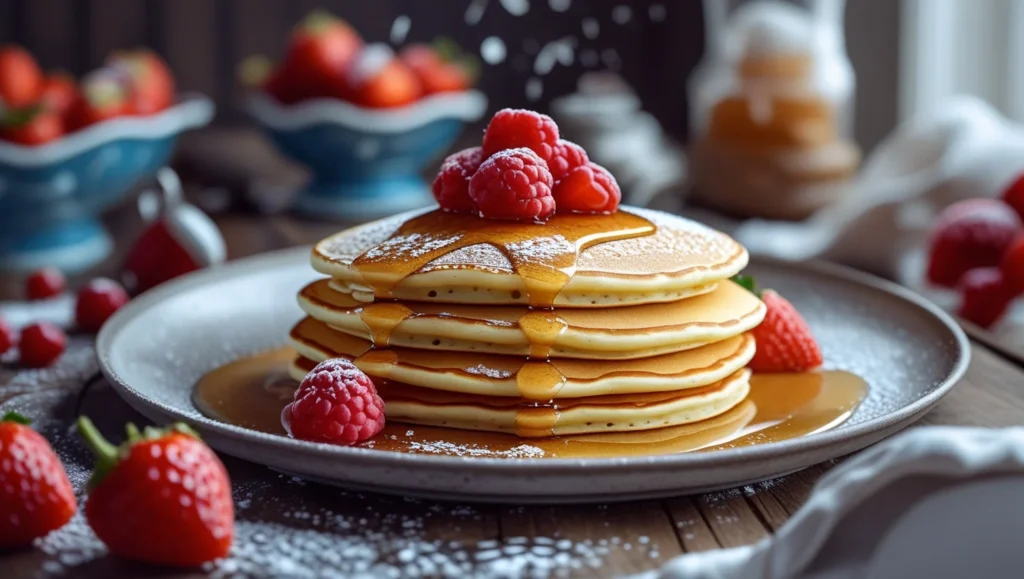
[(288, 527)]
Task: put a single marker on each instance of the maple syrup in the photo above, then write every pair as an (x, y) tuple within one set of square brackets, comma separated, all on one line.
[(543, 255), (252, 391)]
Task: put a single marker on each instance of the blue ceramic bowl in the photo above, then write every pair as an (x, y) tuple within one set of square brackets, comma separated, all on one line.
[(52, 195), (365, 163)]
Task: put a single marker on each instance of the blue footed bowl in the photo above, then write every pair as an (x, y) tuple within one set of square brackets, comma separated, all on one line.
[(365, 163), (52, 195)]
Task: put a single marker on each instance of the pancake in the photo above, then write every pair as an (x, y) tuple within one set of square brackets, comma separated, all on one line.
[(514, 377), (596, 414), (613, 333), (634, 256)]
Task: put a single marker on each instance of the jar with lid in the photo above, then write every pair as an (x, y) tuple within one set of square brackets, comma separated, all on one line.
[(772, 108)]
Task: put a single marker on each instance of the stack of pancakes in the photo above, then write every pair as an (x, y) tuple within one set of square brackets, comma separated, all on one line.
[(585, 324)]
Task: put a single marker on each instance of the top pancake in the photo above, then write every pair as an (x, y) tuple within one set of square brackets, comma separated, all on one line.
[(679, 258)]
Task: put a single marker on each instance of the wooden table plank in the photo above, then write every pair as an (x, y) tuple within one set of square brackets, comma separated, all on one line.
[(691, 527), (622, 538)]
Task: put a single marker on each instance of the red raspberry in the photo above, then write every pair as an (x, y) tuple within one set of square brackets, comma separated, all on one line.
[(97, 301), (335, 403), (984, 296), (515, 128), (451, 187), (970, 234), (566, 157), (41, 344), (1014, 196), (44, 284), (588, 189), (8, 337), (514, 185)]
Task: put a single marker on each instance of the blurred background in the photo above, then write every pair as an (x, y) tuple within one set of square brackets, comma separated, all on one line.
[(806, 128)]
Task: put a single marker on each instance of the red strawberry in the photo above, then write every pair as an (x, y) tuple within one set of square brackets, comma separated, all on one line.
[(150, 82), (784, 341), (8, 337), (588, 189), (59, 92), (1012, 266), (1014, 196), (376, 79), (32, 127), (162, 497), (103, 97), (321, 51), (41, 344), (514, 128), (97, 301), (335, 403), (970, 234), (35, 494), (985, 296), (451, 187), (45, 283), (20, 77), (514, 185)]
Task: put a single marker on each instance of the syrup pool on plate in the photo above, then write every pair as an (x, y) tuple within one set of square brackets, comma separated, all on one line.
[(252, 391)]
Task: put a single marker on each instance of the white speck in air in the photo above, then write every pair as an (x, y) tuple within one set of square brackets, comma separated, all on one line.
[(400, 29), (516, 7), (559, 5), (657, 12), (534, 89), (622, 14), (475, 11), (591, 27), (492, 50)]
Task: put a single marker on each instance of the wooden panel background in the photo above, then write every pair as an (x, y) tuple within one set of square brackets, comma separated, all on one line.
[(205, 39)]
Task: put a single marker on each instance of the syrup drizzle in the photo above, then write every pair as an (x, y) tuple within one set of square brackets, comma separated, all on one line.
[(544, 256), (251, 392)]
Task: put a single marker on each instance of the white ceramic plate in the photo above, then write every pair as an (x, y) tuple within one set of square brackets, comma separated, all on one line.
[(155, 349)]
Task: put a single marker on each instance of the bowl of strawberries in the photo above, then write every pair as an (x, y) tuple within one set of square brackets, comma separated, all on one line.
[(69, 150), (364, 119)]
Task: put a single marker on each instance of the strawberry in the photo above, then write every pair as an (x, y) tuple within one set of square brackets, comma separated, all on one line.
[(32, 127), (162, 497), (150, 82), (21, 81), (1012, 266), (985, 296), (1014, 196), (321, 51), (103, 97), (59, 93), (970, 234), (784, 340), (379, 80), (442, 67), (35, 494)]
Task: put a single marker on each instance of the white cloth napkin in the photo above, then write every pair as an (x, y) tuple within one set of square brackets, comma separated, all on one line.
[(934, 502)]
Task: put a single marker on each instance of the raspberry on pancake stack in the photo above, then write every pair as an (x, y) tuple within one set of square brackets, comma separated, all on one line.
[(530, 304)]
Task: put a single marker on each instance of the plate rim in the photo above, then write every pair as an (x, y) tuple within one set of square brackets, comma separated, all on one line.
[(527, 466)]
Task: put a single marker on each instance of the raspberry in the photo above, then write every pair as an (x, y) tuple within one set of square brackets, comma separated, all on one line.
[(451, 187), (335, 403), (97, 301), (984, 296), (514, 185), (44, 284), (8, 337), (566, 157), (41, 344), (588, 189), (970, 234), (515, 128)]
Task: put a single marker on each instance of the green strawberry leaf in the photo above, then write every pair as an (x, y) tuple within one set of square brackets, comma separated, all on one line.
[(16, 118), (15, 417), (747, 282)]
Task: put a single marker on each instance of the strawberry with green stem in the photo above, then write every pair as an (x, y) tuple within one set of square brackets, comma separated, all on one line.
[(784, 340), (162, 497), (35, 494)]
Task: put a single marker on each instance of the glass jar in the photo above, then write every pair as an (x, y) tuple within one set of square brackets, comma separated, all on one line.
[(772, 108)]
